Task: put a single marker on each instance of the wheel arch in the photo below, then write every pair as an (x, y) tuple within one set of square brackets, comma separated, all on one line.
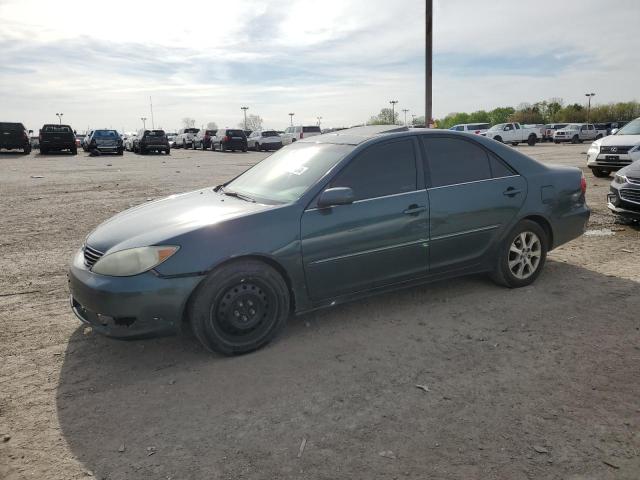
[(277, 266), (546, 226)]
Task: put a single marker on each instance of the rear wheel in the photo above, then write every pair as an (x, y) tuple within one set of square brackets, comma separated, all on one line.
[(532, 140), (521, 255), (239, 307), (74, 151), (27, 150), (600, 172), (575, 139), (515, 144), (498, 139), (142, 150)]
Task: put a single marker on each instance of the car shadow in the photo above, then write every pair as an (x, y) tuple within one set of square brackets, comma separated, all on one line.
[(493, 362)]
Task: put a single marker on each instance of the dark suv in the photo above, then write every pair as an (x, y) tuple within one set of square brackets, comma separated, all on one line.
[(151, 140), (106, 141), (57, 138), (14, 136), (229, 139)]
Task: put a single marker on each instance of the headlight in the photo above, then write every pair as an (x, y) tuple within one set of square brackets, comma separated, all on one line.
[(133, 261), (619, 178)]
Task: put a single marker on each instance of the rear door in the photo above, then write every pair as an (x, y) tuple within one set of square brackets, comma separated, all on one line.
[(379, 239), (473, 197)]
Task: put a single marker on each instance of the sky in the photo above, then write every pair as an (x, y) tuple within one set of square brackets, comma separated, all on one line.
[(99, 63)]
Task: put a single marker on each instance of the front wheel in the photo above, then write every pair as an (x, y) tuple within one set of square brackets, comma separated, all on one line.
[(521, 255), (531, 141), (239, 307), (600, 172), (27, 150), (498, 139), (575, 139)]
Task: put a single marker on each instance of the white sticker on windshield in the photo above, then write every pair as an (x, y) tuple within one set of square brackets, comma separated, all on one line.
[(298, 170)]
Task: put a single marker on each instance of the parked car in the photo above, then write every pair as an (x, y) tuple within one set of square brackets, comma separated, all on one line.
[(550, 129), (85, 141), (229, 139), (514, 133), (79, 139), (624, 196), (576, 133), (105, 141), (202, 140), (185, 137), (616, 151), (264, 140), (293, 134), (55, 138), (14, 136), (324, 221), (128, 141), (172, 140), (477, 128), (147, 141)]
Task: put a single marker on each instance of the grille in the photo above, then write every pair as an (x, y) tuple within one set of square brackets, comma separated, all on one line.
[(616, 150), (91, 256), (630, 195), (633, 179)]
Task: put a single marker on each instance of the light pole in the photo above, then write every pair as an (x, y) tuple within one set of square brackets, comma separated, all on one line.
[(319, 118), (428, 60), (393, 111), (144, 122), (59, 115), (589, 107), (291, 117), (244, 109), (405, 110)]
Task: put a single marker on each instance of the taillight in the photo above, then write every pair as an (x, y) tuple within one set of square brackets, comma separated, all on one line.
[(583, 184), (301, 135), (226, 138), (477, 132)]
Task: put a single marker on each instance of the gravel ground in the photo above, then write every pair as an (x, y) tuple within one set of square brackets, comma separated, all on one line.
[(540, 382)]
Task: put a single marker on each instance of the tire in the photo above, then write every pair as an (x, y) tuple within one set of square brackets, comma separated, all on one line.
[(600, 172), (575, 139), (74, 151), (142, 150), (498, 139), (245, 149), (599, 136), (120, 152), (531, 140), (557, 142), (256, 147), (239, 307), (184, 144), (202, 147), (521, 255), (27, 150), (515, 144), (43, 151), (167, 151)]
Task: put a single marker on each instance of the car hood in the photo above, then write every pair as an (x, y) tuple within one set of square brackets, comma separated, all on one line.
[(632, 170), (162, 220), (619, 140)]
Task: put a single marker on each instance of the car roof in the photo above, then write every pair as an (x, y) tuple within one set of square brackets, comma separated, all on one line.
[(356, 135)]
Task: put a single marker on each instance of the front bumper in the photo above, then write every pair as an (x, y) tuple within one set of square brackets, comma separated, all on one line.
[(609, 161), (129, 307), (623, 206)]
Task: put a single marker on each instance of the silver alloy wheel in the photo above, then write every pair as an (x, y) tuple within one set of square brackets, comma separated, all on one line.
[(524, 255)]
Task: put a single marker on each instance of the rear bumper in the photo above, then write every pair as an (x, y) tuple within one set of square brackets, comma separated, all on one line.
[(235, 145), (128, 307), (58, 145), (571, 226)]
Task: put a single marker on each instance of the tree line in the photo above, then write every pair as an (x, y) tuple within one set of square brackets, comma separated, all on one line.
[(547, 111)]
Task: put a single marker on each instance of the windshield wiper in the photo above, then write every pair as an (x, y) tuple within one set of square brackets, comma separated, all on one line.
[(229, 193)]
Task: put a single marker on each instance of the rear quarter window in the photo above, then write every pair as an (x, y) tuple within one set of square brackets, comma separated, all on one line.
[(311, 130)]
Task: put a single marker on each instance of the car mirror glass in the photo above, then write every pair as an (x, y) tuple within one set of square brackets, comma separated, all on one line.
[(336, 196)]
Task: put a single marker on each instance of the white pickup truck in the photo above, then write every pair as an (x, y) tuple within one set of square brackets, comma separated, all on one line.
[(514, 133)]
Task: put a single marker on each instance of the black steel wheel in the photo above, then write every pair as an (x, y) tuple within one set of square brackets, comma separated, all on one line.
[(239, 307)]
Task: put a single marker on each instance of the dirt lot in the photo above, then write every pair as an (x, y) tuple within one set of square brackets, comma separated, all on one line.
[(540, 382)]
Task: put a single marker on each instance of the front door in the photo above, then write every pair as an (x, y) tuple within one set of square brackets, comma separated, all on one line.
[(379, 239), (473, 196)]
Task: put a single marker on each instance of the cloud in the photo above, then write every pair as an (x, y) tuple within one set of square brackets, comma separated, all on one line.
[(340, 60)]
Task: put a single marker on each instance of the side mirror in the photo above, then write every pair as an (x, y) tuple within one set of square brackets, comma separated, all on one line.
[(336, 196), (614, 131), (75, 133), (30, 132)]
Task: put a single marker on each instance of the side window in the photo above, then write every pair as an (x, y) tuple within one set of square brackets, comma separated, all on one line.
[(460, 128), (498, 168), (452, 161), (381, 170)]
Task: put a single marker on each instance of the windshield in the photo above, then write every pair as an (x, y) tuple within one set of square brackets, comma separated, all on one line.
[(572, 126), (154, 133), (105, 134), (287, 174), (499, 126), (631, 128)]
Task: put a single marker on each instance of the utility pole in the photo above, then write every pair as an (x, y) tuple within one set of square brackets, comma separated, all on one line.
[(291, 117), (144, 122), (319, 118), (589, 95), (244, 109), (405, 110), (153, 125), (59, 115), (393, 111), (428, 106)]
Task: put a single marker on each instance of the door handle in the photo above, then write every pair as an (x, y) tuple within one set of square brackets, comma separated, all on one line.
[(511, 192), (414, 209)]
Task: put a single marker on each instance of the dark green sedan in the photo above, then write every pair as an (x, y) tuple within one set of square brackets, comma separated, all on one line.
[(325, 220)]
